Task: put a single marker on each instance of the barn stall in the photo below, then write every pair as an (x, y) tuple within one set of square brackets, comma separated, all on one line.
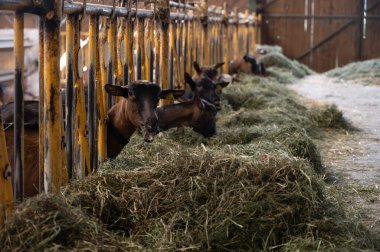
[(261, 183)]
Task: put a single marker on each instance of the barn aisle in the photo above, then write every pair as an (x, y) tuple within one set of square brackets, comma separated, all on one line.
[(355, 157)]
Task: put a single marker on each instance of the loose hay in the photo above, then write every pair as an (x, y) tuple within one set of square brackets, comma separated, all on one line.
[(255, 186), (357, 70)]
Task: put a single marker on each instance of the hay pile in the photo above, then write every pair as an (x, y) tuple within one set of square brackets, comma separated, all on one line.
[(280, 67), (258, 185), (357, 70)]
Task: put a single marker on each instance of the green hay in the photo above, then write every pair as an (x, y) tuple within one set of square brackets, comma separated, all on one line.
[(357, 70), (279, 60), (256, 186), (49, 223)]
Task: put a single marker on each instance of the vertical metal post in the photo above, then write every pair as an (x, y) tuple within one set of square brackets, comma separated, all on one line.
[(157, 48), (92, 115), (140, 49), (128, 37), (151, 50), (205, 55), (226, 40), (164, 9), (6, 196), (82, 153), (246, 32), (253, 33), (18, 178), (69, 94), (147, 42), (52, 106), (112, 69), (100, 74), (119, 56), (41, 104), (236, 34), (102, 61)]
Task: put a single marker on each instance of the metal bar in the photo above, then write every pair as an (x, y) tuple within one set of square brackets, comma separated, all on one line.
[(18, 176), (129, 43), (157, 46), (205, 34), (41, 103), (82, 153), (69, 94), (23, 6), (53, 159), (141, 74), (99, 84), (151, 50), (360, 38), (112, 69), (103, 69), (91, 114), (164, 9), (119, 56)]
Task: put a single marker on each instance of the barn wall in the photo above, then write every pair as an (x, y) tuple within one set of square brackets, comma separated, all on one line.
[(323, 34)]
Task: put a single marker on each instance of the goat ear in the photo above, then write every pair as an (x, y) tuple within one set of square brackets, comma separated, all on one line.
[(190, 81), (116, 90), (218, 65), (172, 93), (246, 58), (222, 84), (197, 67)]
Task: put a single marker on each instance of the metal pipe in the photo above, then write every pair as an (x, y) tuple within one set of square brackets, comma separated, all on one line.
[(164, 9), (18, 175), (69, 94), (41, 128), (91, 114), (99, 87), (53, 159), (82, 153)]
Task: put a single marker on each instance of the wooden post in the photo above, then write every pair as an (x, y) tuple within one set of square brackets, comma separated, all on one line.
[(18, 176), (52, 106), (164, 16)]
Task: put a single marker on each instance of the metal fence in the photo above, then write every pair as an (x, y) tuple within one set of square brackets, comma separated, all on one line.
[(157, 43)]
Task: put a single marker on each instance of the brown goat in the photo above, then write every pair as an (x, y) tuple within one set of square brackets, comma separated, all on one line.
[(209, 71), (248, 64), (137, 111), (31, 140), (197, 114), (206, 89)]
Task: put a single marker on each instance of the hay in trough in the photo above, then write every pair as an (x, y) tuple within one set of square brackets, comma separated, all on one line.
[(357, 70), (49, 223), (280, 61), (256, 186)]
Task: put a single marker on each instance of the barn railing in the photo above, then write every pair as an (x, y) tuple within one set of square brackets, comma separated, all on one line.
[(158, 43)]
